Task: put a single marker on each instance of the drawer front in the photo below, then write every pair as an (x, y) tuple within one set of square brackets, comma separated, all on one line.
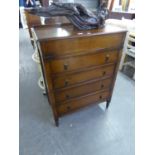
[(74, 45), (67, 80), (81, 102), (79, 62), (82, 90)]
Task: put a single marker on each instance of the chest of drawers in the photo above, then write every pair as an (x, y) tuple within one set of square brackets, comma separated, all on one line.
[(79, 67)]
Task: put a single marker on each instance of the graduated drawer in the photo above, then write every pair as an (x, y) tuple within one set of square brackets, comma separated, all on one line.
[(75, 104), (74, 45), (66, 94), (71, 79), (80, 62)]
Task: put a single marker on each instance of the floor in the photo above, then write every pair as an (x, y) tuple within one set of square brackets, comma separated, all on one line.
[(91, 131)]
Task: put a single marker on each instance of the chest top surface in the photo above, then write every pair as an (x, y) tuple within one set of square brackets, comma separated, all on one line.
[(49, 32)]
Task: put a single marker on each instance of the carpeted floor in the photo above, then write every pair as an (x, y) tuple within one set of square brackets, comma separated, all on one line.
[(91, 131)]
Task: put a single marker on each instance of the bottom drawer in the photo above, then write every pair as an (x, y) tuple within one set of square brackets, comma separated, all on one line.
[(82, 101)]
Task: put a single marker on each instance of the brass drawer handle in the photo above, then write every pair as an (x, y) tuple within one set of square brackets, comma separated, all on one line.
[(65, 66), (68, 107), (107, 57), (103, 73), (66, 82), (67, 96), (102, 85)]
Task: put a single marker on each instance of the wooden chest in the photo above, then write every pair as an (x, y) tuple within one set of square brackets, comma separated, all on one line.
[(79, 67)]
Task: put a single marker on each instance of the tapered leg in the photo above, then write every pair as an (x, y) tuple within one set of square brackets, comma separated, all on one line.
[(56, 122), (108, 102)]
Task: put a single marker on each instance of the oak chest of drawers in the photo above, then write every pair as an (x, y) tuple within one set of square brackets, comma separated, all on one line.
[(79, 67)]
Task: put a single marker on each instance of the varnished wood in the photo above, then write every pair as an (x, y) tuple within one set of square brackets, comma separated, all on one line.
[(74, 37), (69, 64), (75, 104), (79, 69), (95, 42), (114, 77), (68, 93), (65, 31), (66, 80), (31, 20), (111, 5)]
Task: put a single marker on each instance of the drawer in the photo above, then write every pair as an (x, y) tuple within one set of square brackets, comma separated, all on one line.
[(75, 45), (80, 62), (82, 101), (84, 89), (71, 79)]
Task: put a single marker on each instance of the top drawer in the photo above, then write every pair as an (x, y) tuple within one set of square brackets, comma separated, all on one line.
[(75, 45), (85, 61)]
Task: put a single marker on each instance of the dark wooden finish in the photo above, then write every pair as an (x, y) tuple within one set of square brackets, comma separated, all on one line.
[(84, 88), (32, 20), (94, 43), (71, 63), (111, 5), (64, 80), (77, 103), (79, 67)]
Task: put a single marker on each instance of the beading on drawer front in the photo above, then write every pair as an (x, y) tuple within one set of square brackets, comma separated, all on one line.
[(80, 62), (82, 101), (82, 89), (65, 80)]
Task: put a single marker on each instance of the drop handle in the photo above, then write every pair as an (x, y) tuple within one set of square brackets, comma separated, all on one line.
[(68, 107), (65, 66), (66, 82), (102, 85), (103, 73), (107, 57), (67, 96)]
